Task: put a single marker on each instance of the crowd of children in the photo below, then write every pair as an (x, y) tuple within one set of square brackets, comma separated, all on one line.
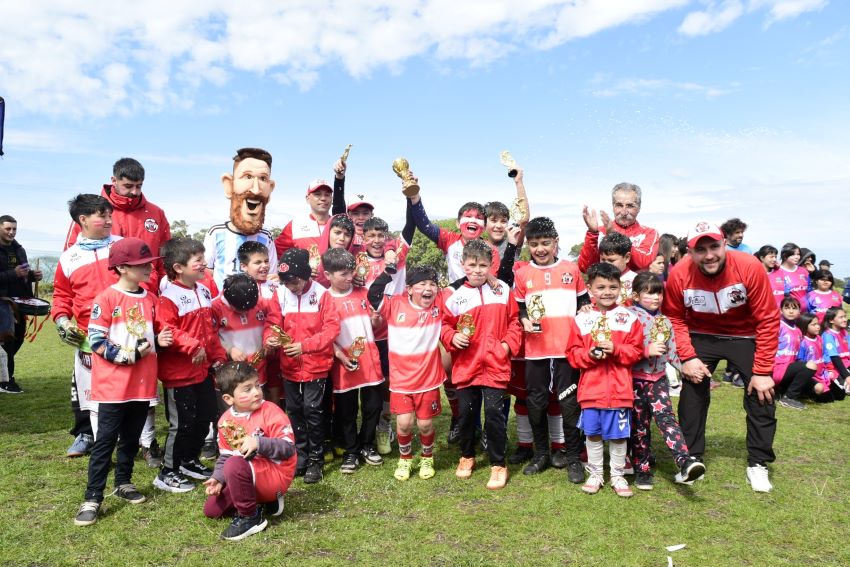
[(342, 334)]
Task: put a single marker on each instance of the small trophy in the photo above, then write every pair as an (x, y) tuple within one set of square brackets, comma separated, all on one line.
[(509, 162), (361, 268), (344, 157), (519, 210), (660, 331), (536, 311), (136, 325), (233, 433), (356, 350), (257, 358), (402, 169), (282, 336), (600, 332), (466, 325), (315, 258), (443, 281)]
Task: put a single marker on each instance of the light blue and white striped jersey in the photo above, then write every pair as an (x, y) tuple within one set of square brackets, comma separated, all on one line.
[(221, 244)]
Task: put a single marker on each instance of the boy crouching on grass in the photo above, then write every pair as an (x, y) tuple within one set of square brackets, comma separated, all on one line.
[(122, 331), (257, 455), (482, 327), (605, 343)]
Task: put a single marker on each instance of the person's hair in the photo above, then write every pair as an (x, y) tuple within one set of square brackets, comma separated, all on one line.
[(789, 302), (7, 218), (471, 206), (823, 275), (603, 270), (179, 251), (615, 243), (788, 250), (241, 291), (732, 226), (249, 248), (376, 223), (540, 227), (647, 282), (666, 246), (804, 320), (420, 273), (627, 187), (231, 374), (128, 168), (86, 204), (337, 260), (805, 253), (477, 249), (496, 209), (765, 250), (344, 222), (682, 246), (256, 153), (830, 316)]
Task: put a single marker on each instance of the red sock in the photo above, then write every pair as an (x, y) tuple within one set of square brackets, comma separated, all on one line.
[(427, 443), (404, 445)]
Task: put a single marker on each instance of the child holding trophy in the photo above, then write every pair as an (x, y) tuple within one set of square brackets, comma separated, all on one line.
[(356, 375), (605, 342), (122, 331), (482, 321), (651, 387)]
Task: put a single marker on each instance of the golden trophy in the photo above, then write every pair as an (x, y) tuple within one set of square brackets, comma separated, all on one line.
[(257, 358), (356, 350), (315, 257), (344, 157), (361, 268), (536, 311), (281, 335), (409, 186), (234, 433), (466, 325), (660, 330), (443, 281), (519, 210), (136, 325), (509, 162), (600, 332)]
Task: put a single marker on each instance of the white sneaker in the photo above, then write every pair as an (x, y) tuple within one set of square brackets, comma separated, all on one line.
[(757, 476)]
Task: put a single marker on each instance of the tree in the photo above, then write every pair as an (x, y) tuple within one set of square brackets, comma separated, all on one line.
[(179, 229), (575, 251), (423, 251)]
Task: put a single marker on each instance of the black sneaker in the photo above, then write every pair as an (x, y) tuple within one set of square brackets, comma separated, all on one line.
[(575, 472), (790, 403), (313, 474), (153, 455), (274, 509), (644, 480), (454, 432), (371, 456), (537, 465), (692, 470), (11, 387), (129, 493), (209, 451), (350, 463), (727, 377), (87, 515), (737, 381), (559, 459), (196, 470), (520, 455), (244, 526), (171, 481)]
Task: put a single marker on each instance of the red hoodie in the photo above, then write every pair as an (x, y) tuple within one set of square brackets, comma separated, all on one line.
[(737, 302), (138, 218), (644, 246), (324, 245)]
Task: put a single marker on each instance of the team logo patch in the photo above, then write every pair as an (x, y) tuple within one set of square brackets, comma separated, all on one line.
[(206, 293), (283, 268), (116, 313), (435, 312), (567, 278), (736, 296), (363, 304), (621, 318), (224, 321), (529, 284), (497, 290), (261, 315), (95, 311), (400, 318), (151, 226), (701, 227), (434, 407), (313, 300)]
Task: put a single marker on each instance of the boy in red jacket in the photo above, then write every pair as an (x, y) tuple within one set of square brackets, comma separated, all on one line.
[(312, 324), (184, 369), (604, 343), (481, 325)]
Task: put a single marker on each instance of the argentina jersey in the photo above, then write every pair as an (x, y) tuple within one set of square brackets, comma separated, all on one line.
[(221, 244)]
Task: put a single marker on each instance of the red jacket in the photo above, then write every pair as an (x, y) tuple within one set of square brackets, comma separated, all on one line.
[(495, 313), (644, 246), (737, 302), (310, 319), (607, 383), (187, 312), (80, 276), (138, 218)]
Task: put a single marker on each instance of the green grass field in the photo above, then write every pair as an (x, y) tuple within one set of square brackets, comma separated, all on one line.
[(370, 518)]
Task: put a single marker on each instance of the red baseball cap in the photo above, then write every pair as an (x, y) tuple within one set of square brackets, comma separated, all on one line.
[(317, 184), (130, 252), (359, 201), (703, 229)]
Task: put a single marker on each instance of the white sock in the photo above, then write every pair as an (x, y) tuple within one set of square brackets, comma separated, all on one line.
[(210, 438), (523, 429), (617, 450), (93, 421), (149, 430), (556, 429), (595, 456)]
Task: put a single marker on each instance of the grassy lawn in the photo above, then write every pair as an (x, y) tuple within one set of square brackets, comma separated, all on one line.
[(370, 518)]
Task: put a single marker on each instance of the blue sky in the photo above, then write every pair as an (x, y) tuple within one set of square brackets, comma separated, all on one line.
[(715, 108)]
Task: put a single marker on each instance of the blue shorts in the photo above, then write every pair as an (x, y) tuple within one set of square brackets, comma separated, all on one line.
[(609, 423)]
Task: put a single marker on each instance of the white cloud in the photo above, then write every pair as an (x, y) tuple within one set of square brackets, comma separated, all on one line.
[(785, 9), (717, 16), (647, 87)]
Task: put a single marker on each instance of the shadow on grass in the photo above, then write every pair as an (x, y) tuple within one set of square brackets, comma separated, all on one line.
[(44, 406), (308, 502)]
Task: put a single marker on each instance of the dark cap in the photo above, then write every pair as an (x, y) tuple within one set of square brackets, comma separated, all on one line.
[(130, 252), (295, 262)]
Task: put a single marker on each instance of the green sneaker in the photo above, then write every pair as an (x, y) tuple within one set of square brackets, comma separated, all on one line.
[(402, 470), (382, 440), (426, 468)]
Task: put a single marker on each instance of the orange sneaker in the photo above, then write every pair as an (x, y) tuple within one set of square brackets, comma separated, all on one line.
[(464, 467), (498, 478)]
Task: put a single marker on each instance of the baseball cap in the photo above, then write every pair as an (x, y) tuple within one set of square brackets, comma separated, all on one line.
[(130, 252), (359, 201), (703, 229), (825, 263), (317, 184)]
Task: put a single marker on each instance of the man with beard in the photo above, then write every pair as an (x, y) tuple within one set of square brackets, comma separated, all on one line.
[(722, 308), (248, 188), (625, 199)]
